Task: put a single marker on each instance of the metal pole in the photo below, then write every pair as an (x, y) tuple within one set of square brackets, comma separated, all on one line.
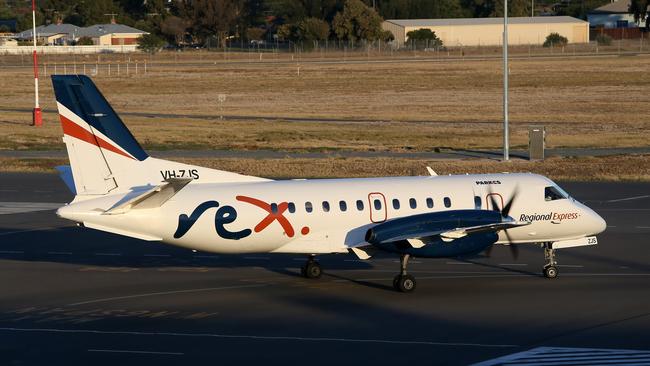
[(37, 117), (506, 147)]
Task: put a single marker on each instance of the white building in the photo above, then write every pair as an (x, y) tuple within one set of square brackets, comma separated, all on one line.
[(101, 34)]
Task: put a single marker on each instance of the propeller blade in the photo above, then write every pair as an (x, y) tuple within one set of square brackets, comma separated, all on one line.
[(514, 250), (508, 206)]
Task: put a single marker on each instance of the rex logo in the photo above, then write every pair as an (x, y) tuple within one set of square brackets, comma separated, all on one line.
[(228, 214)]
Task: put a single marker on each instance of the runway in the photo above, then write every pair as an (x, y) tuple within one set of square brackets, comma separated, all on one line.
[(75, 296)]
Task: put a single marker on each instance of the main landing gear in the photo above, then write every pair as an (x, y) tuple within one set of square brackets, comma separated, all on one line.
[(312, 268), (404, 282), (550, 269)]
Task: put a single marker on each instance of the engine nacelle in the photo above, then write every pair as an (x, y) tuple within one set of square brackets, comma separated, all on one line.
[(383, 235)]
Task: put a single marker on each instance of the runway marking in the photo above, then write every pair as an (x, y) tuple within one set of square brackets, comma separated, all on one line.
[(571, 265), (60, 253), (262, 337), (108, 254), (572, 356), (11, 252), (643, 227), (629, 198), (8, 208), (162, 293), (141, 352)]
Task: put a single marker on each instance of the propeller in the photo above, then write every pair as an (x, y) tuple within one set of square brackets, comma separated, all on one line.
[(514, 251)]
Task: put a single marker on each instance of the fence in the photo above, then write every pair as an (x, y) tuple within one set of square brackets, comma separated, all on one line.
[(111, 69), (80, 50)]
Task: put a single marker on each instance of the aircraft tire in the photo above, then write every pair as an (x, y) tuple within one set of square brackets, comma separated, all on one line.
[(312, 270), (550, 272), (406, 283)]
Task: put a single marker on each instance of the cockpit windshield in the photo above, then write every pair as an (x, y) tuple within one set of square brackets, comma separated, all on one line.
[(553, 193)]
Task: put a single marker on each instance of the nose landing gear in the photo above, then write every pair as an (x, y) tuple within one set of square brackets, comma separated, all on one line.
[(312, 268), (550, 269), (404, 282)]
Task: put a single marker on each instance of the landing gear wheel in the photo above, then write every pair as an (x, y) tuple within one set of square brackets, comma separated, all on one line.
[(312, 270), (550, 272), (405, 283)]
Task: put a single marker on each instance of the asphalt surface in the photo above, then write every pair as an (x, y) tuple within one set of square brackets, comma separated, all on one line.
[(73, 296)]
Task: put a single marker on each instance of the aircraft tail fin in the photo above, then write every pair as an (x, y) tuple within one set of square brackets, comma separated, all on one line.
[(104, 155)]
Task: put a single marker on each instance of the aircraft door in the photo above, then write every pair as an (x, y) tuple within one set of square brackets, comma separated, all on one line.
[(377, 206), (497, 198)]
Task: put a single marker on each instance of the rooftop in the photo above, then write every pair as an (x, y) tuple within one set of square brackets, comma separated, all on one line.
[(71, 29), (483, 21)]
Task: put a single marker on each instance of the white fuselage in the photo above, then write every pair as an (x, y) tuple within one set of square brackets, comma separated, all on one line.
[(274, 216)]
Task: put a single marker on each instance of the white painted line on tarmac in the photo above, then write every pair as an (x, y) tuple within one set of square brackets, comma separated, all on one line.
[(263, 337), (108, 254), (139, 352), (642, 227), (163, 293), (11, 252), (571, 265), (629, 198), (60, 253)]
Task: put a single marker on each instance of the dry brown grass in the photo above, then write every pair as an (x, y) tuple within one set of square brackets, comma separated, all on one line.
[(587, 102), (613, 168)]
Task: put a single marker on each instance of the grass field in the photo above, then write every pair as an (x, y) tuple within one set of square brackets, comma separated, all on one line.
[(403, 106)]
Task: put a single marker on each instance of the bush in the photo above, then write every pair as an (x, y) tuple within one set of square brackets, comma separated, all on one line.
[(603, 40), (150, 43), (85, 41), (424, 37), (555, 39)]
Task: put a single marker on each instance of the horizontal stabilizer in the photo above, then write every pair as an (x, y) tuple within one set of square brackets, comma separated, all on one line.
[(152, 198)]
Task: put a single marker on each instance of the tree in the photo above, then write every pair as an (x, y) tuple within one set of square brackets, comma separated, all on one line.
[(174, 27), (255, 34), (215, 17), (357, 21), (150, 43), (640, 10), (313, 29)]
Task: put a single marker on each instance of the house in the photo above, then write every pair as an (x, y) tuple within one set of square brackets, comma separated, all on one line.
[(613, 15), (69, 34)]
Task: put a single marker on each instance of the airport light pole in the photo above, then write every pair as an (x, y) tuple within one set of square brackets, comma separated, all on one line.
[(506, 147), (37, 117)]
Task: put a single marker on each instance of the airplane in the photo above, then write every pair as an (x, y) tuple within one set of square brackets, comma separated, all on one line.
[(120, 189)]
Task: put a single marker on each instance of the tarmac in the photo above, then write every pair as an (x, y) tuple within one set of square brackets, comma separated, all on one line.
[(75, 296)]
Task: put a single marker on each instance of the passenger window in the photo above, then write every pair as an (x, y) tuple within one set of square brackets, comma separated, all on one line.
[(477, 202), (552, 194), (291, 207), (343, 206), (360, 205), (377, 204), (326, 206), (308, 207), (430, 202), (413, 203), (396, 203), (447, 201), (274, 207)]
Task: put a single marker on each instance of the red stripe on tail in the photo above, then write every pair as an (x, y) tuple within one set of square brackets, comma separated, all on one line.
[(74, 130)]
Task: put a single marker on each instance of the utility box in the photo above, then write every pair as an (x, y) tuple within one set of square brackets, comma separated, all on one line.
[(536, 142)]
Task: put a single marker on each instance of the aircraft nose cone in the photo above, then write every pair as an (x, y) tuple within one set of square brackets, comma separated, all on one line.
[(598, 224)]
